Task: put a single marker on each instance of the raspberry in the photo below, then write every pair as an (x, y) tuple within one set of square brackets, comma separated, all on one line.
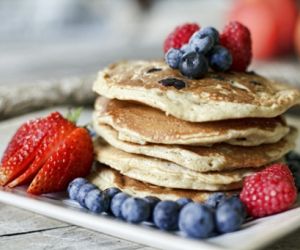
[(269, 191), (180, 36), (280, 169), (236, 37)]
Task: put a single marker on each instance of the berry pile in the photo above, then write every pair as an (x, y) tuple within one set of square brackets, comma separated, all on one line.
[(193, 50), (269, 191), (219, 215)]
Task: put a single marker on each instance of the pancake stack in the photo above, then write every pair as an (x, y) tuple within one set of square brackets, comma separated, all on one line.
[(156, 138)]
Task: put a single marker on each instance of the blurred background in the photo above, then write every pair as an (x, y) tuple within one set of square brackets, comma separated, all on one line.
[(53, 39)]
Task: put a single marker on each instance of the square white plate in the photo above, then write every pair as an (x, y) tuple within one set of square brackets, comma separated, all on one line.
[(254, 235)]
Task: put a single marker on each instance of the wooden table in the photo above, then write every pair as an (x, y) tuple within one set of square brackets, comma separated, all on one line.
[(21, 229)]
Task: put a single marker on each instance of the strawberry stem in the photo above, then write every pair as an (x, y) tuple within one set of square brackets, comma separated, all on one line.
[(74, 114)]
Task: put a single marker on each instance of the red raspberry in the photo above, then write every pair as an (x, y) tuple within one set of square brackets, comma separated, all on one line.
[(180, 36), (236, 37), (280, 169), (269, 191)]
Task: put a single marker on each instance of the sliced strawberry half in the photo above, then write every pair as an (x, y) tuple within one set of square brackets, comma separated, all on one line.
[(73, 158), (55, 136), (22, 150), (18, 139), (29, 146)]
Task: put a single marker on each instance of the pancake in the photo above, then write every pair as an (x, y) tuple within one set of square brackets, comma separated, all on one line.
[(219, 157), (143, 124), (105, 177), (167, 174), (217, 96)]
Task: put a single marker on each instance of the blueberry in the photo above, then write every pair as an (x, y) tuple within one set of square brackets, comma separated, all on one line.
[(292, 156), (116, 203), (83, 191), (152, 201), (74, 187), (97, 201), (207, 31), (236, 203), (111, 192), (193, 65), (215, 199), (196, 220), (173, 57), (183, 201), (294, 166), (201, 45), (228, 219), (220, 58), (165, 215), (135, 210), (185, 48)]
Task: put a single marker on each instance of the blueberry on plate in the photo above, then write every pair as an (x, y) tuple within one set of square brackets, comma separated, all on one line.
[(165, 215), (228, 219), (97, 201), (135, 210), (116, 203), (215, 199), (196, 220), (220, 59), (83, 191), (173, 57), (74, 187), (183, 201), (111, 192), (193, 65), (152, 201), (201, 44), (236, 203)]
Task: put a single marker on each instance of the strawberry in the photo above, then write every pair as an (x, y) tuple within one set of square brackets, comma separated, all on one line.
[(69, 161), (23, 147), (55, 136), (45, 147)]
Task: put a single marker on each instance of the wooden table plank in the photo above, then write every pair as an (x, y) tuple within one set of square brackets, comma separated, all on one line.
[(14, 220), (70, 237)]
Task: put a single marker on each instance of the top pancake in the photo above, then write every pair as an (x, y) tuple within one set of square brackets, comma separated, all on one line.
[(217, 96), (142, 124)]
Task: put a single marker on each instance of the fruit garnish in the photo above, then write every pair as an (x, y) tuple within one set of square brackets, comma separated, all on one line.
[(180, 35), (237, 39), (220, 58), (193, 65), (48, 153), (269, 191)]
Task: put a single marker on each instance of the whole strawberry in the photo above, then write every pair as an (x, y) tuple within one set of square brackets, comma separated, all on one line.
[(236, 37), (180, 36), (269, 191)]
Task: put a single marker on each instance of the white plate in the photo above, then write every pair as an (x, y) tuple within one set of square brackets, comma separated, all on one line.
[(255, 234)]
